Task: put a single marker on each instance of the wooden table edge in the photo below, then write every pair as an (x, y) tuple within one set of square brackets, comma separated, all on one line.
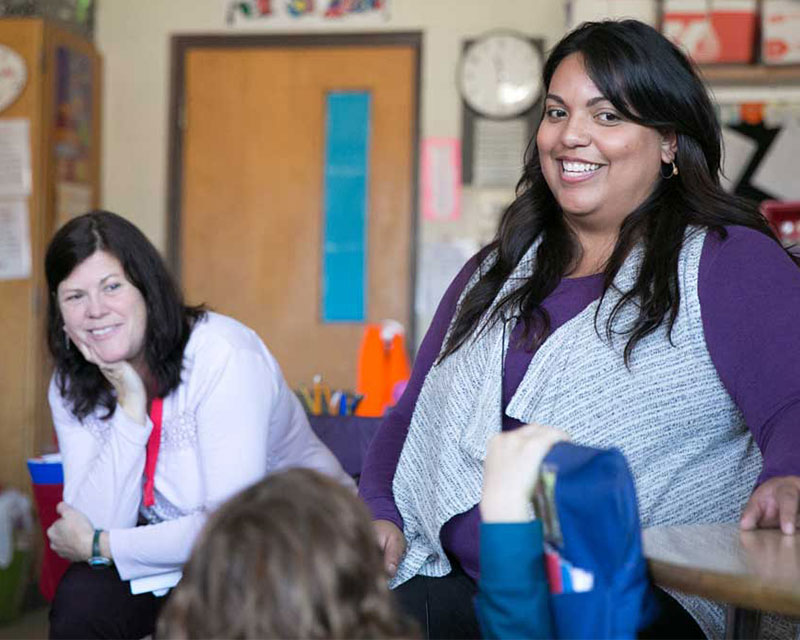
[(722, 588)]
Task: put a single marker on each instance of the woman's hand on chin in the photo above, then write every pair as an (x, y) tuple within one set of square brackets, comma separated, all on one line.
[(131, 392), (71, 535)]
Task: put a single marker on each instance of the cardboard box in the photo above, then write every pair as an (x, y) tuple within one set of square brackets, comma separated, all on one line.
[(712, 31), (780, 32)]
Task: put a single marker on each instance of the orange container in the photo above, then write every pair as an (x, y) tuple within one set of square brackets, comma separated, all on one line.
[(715, 31)]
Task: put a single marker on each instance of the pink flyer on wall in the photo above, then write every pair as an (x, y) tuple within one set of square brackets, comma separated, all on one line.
[(441, 178)]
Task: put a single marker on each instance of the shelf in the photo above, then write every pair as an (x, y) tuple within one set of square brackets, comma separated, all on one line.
[(751, 74)]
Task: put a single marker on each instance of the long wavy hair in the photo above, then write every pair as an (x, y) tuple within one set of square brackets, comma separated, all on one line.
[(169, 321), (652, 83), (293, 556)]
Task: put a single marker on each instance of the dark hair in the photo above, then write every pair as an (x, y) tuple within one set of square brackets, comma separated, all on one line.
[(651, 82), (294, 556), (169, 321)]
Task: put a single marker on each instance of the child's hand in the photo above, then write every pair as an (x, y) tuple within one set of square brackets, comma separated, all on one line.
[(511, 470)]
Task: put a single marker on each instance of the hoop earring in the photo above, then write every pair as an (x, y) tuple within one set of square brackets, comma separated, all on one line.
[(670, 172)]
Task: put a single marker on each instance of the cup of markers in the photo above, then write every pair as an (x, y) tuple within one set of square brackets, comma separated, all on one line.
[(319, 400)]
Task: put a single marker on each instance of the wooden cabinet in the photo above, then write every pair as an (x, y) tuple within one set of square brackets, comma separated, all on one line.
[(61, 102)]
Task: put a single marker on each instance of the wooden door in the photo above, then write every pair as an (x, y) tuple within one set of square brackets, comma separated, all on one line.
[(252, 211)]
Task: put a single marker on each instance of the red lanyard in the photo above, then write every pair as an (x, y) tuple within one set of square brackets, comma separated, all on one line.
[(153, 444)]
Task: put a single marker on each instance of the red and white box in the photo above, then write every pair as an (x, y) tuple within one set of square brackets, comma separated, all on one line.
[(780, 32), (712, 31)]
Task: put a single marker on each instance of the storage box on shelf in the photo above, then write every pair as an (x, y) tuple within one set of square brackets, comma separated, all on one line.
[(712, 31), (780, 32)]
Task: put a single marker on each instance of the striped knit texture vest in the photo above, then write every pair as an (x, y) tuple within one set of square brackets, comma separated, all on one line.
[(691, 454)]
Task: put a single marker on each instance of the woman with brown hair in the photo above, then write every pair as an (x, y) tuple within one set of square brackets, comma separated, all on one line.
[(293, 556), (163, 411)]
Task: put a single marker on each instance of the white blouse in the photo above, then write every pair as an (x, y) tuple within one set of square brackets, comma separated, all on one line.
[(232, 420)]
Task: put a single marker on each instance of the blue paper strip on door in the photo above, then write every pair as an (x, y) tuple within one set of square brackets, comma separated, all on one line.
[(344, 270)]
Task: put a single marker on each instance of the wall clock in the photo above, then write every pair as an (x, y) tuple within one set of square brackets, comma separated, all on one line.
[(499, 74), (500, 83), (13, 75)]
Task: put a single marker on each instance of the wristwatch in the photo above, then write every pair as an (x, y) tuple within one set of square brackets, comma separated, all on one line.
[(98, 561)]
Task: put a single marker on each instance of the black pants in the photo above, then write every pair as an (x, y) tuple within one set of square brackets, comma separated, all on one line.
[(96, 603), (672, 621), (442, 607)]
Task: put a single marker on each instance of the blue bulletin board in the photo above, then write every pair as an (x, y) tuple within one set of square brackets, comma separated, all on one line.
[(344, 270)]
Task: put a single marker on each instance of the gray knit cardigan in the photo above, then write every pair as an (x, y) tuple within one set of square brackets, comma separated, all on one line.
[(691, 454)]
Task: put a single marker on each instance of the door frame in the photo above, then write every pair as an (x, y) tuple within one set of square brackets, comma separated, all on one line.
[(179, 48)]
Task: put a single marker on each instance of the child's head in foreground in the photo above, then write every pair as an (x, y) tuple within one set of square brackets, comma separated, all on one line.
[(293, 556)]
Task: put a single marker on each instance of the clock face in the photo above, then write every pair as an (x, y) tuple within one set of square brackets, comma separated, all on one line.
[(13, 75), (499, 75)]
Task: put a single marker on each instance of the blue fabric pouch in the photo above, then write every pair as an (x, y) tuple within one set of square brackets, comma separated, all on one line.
[(595, 530)]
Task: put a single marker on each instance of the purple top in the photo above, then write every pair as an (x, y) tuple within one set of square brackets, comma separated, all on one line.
[(749, 293)]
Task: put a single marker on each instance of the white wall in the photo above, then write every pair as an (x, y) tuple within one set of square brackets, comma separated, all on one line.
[(133, 37)]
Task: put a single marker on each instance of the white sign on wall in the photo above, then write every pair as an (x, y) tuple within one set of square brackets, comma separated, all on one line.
[(15, 158), (15, 240)]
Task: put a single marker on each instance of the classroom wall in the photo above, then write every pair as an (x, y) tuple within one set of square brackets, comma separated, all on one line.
[(134, 39)]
